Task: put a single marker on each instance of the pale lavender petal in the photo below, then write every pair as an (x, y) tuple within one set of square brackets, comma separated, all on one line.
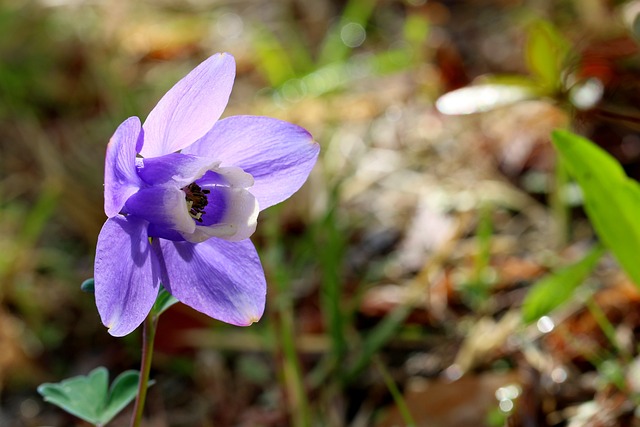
[(190, 108), (120, 177), (125, 274), (164, 232), (176, 168), (162, 206), (221, 279), (277, 154)]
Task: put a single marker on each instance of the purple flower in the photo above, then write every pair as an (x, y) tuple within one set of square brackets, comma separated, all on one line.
[(182, 195)]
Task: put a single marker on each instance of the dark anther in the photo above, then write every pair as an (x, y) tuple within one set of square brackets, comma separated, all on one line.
[(196, 200)]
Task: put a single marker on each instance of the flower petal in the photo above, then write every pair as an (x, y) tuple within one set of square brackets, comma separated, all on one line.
[(277, 154), (221, 279), (175, 168), (230, 176), (162, 206), (120, 177), (231, 214), (164, 232), (190, 108), (125, 273)]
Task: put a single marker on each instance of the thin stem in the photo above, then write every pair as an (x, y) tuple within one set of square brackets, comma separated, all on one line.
[(607, 328), (148, 335), (559, 205), (292, 371), (619, 116)]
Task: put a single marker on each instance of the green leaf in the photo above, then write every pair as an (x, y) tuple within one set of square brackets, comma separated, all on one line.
[(546, 53), (88, 398), (273, 58), (416, 29), (611, 199), (557, 288), (82, 396), (163, 302), (390, 61)]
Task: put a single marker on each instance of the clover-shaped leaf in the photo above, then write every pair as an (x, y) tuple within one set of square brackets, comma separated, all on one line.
[(89, 398), (123, 390)]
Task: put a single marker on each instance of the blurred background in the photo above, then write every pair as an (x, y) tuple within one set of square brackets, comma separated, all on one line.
[(397, 274)]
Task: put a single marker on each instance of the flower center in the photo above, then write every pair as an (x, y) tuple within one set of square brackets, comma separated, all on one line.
[(196, 199)]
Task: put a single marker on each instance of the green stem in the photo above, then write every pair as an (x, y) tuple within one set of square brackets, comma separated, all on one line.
[(403, 408), (607, 328), (148, 335)]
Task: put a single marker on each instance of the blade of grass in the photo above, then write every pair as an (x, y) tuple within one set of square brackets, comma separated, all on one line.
[(403, 408), (377, 338), (477, 288), (284, 325), (330, 238), (607, 327), (384, 331)]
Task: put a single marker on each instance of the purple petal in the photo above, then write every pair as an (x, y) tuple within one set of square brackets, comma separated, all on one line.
[(164, 232), (277, 154), (162, 206), (179, 169), (125, 273), (228, 176), (120, 177), (190, 108), (222, 279)]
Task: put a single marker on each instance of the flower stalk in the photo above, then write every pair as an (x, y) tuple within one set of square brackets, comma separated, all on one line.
[(148, 336)]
